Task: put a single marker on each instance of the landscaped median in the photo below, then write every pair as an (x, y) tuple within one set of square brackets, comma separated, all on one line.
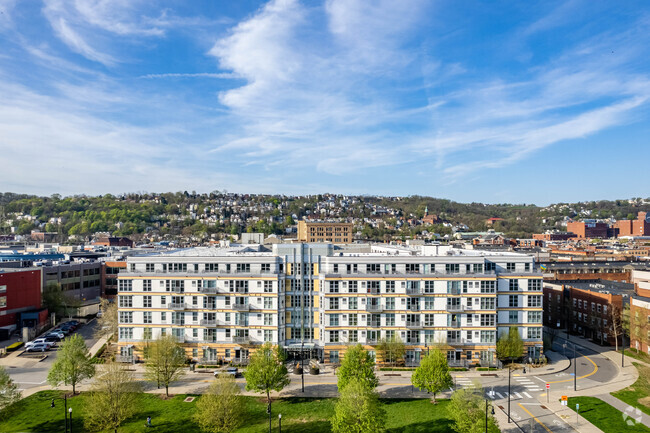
[(34, 414), (606, 417), (638, 394)]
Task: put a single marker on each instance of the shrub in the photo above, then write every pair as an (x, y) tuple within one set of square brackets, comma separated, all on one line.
[(15, 346)]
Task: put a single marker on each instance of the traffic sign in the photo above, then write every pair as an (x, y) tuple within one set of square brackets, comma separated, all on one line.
[(565, 400), (548, 386), (577, 406)]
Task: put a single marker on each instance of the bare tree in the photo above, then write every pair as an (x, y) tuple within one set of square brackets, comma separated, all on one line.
[(617, 321)]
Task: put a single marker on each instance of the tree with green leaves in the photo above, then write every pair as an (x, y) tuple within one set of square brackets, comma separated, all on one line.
[(72, 364), (391, 350), (359, 365), (221, 409), (107, 323), (266, 372), (358, 410), (57, 301), (9, 393), (510, 346), (467, 410), (112, 400), (165, 362), (433, 373)]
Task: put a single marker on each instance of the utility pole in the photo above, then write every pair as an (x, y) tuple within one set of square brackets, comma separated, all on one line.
[(575, 369), (509, 371)]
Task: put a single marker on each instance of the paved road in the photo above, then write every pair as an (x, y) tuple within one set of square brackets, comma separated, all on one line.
[(33, 373)]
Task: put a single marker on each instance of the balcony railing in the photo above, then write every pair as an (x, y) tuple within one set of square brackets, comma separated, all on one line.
[(372, 341), (413, 324), (205, 322), (241, 307), (374, 308), (451, 307), (374, 324), (209, 290), (413, 307), (455, 324), (178, 306), (373, 291), (124, 358), (414, 291), (241, 340)]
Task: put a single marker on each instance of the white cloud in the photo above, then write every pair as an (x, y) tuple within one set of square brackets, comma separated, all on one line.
[(78, 44)]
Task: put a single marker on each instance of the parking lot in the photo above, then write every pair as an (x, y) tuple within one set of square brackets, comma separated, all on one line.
[(29, 370)]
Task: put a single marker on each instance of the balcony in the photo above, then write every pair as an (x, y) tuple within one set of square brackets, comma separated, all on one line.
[(237, 339), (211, 323), (241, 307), (413, 324), (179, 338), (374, 308), (372, 341), (455, 324), (374, 324), (178, 306), (454, 307), (124, 358), (242, 290), (373, 291), (210, 340), (209, 290), (414, 291), (453, 291), (413, 307)]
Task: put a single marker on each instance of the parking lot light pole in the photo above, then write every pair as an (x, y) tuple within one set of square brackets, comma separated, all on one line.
[(70, 411), (65, 412), (280, 422), (486, 419), (575, 369), (509, 371)]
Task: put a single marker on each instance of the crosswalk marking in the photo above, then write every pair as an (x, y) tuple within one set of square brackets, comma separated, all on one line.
[(499, 394), (518, 395), (527, 395)]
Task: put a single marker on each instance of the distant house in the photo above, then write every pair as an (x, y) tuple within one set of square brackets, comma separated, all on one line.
[(490, 221), (114, 241), (430, 219)]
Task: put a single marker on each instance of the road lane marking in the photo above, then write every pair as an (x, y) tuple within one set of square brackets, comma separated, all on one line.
[(581, 377), (540, 379), (535, 418)]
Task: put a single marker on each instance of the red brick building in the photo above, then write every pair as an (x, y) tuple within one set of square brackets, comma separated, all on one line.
[(554, 236), (640, 312), (114, 242), (588, 229), (638, 227), (20, 293)]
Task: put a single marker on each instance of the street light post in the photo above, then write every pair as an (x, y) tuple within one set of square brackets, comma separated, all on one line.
[(65, 411), (280, 422), (575, 369), (623, 349), (70, 411), (486, 407), (509, 371), (268, 410), (302, 365)]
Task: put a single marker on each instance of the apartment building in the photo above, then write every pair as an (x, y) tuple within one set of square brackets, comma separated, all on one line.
[(221, 303), (329, 232), (640, 311)]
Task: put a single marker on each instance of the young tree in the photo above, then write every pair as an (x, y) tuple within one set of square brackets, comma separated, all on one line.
[(433, 373), (165, 362), (107, 323), (72, 364), (221, 409), (56, 301), (391, 349), (112, 400), (266, 372), (357, 365), (510, 346), (467, 410), (358, 410), (9, 393)]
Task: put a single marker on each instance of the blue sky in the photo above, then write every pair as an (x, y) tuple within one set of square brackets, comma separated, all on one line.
[(523, 102)]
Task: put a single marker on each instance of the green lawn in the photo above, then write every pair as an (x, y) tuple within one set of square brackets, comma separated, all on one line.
[(33, 414), (633, 353), (638, 394), (604, 416)]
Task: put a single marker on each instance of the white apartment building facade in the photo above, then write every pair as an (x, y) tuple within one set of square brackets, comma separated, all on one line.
[(221, 303)]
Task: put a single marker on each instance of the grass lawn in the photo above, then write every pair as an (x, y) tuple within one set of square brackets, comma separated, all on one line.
[(604, 416), (633, 353), (33, 414), (638, 394)]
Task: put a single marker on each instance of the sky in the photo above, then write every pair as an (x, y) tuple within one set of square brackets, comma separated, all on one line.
[(502, 101)]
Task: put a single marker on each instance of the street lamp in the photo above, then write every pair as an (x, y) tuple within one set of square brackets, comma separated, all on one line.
[(70, 411), (509, 372), (280, 422), (302, 365)]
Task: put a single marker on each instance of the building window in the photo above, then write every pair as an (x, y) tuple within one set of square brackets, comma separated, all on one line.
[(353, 336), (147, 317), (334, 320), (146, 285), (535, 333), (125, 285), (334, 303), (513, 300), (535, 285), (428, 286), (452, 268), (513, 317), (125, 301), (513, 284), (390, 286), (334, 337), (353, 320), (510, 267), (126, 333), (268, 286), (126, 316), (534, 317), (534, 301), (353, 303), (334, 356), (3, 302), (146, 301)]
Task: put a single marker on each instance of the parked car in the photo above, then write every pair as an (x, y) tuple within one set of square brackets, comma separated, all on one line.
[(40, 347), (36, 341), (233, 371), (59, 334), (52, 339)]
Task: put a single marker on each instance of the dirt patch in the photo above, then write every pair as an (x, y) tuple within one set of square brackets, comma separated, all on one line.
[(165, 397), (645, 401)]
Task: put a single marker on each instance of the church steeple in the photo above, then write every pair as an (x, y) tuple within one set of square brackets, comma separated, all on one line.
[(426, 210)]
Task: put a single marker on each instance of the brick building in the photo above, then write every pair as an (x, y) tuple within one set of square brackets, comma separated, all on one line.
[(588, 271), (554, 236), (109, 241), (640, 312), (638, 227), (588, 229), (588, 309), (20, 297), (316, 231)]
